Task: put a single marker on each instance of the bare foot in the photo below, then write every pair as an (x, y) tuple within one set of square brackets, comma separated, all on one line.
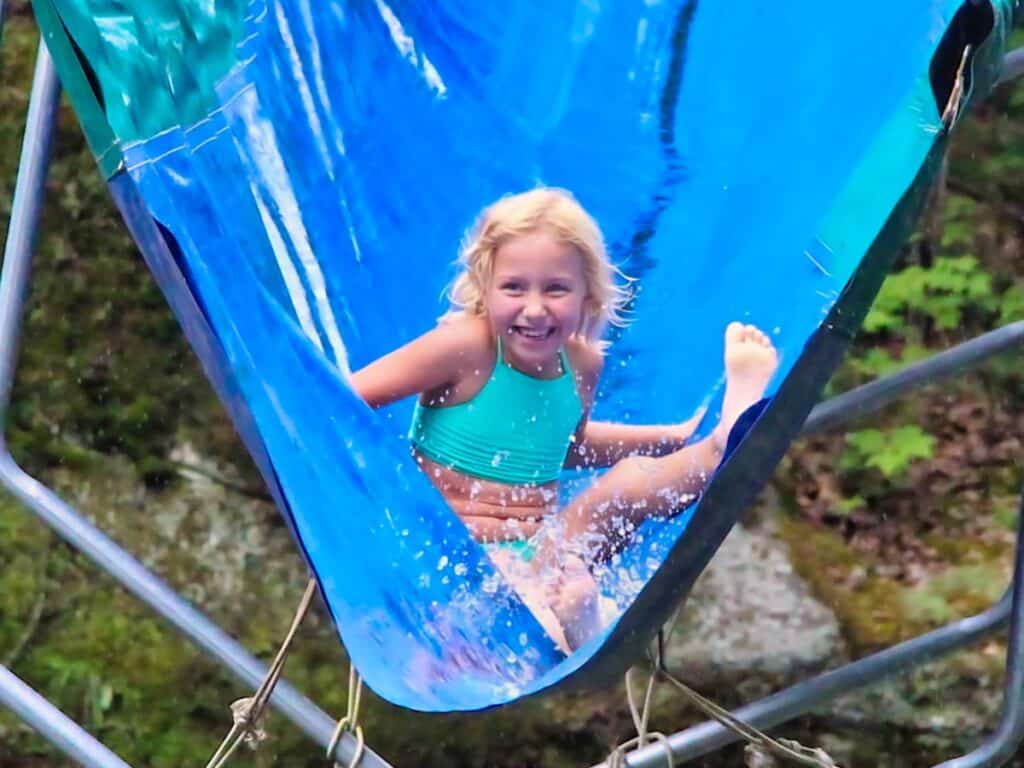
[(533, 592), (750, 363), (575, 602)]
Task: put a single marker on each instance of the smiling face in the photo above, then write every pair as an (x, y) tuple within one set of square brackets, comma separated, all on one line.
[(535, 300)]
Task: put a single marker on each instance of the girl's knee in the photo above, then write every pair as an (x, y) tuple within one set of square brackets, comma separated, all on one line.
[(634, 466), (631, 480)]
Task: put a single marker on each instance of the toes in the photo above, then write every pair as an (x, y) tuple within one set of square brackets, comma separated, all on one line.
[(755, 335), (740, 333)]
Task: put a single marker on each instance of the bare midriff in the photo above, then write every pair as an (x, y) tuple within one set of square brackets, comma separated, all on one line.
[(491, 510)]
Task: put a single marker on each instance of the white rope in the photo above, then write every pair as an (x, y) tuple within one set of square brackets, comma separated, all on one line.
[(350, 722), (760, 746), (247, 714), (757, 741), (958, 93), (617, 757)]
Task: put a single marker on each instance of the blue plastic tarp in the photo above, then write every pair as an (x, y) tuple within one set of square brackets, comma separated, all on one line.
[(741, 159)]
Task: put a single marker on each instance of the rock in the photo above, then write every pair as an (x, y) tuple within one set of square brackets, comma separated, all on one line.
[(751, 623)]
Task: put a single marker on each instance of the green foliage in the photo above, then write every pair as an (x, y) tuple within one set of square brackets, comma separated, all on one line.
[(850, 505), (879, 361), (104, 366), (941, 292), (97, 653), (890, 451), (1011, 305), (1006, 512), (960, 590), (958, 219)]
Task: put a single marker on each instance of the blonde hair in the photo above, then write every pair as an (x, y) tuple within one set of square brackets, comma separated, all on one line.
[(557, 212)]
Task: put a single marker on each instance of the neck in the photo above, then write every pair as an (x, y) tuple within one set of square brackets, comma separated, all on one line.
[(549, 369)]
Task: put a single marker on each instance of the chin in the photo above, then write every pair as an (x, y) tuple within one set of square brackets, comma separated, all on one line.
[(539, 355)]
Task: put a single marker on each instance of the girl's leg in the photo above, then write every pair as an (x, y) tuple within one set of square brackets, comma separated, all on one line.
[(599, 521), (519, 574), (642, 486)]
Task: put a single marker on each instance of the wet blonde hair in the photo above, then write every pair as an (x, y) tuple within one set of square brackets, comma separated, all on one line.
[(558, 213)]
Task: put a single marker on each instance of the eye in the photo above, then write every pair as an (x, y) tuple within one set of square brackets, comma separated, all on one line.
[(511, 286), (558, 289)]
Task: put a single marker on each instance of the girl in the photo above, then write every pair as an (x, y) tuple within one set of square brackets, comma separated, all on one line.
[(506, 382)]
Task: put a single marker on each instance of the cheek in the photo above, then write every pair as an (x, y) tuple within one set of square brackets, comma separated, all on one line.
[(572, 309), (499, 306)]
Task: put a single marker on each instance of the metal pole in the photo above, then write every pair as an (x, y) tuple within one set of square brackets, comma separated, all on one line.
[(53, 725), (872, 396), (1013, 66), (29, 191), (55, 512), (1001, 745)]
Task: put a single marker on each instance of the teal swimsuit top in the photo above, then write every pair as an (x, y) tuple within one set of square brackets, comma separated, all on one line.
[(515, 430)]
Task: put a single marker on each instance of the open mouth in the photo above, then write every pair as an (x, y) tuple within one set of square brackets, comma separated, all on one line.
[(533, 334)]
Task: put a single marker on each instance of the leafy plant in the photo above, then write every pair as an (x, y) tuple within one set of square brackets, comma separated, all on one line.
[(879, 361), (1011, 303), (850, 505), (890, 451), (941, 292)]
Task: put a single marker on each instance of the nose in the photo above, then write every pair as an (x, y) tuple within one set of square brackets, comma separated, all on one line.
[(534, 306)]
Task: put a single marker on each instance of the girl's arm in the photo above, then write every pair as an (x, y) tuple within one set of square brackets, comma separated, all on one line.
[(604, 443), (431, 362)]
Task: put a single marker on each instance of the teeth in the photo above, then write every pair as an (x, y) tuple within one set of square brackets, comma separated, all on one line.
[(532, 334)]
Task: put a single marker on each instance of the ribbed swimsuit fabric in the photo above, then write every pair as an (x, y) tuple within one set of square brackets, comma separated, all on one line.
[(517, 429)]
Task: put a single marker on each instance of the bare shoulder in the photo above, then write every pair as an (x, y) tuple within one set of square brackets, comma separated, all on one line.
[(468, 338), (469, 355), (444, 360), (585, 357)]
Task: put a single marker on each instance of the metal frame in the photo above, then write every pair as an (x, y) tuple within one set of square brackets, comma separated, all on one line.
[(66, 521), (53, 725), (69, 524), (1013, 66)]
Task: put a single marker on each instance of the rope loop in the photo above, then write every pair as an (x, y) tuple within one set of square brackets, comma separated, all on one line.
[(340, 730), (350, 722), (761, 750), (617, 757), (249, 721), (247, 713)]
